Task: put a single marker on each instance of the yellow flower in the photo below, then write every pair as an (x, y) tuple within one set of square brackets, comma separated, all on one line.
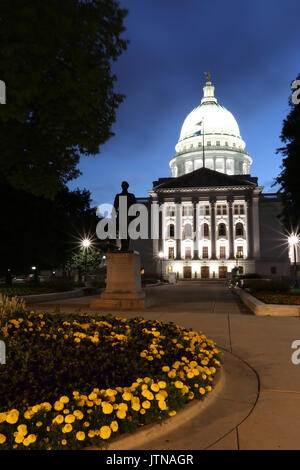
[(121, 414), (3, 417), (2, 438), (80, 436), (78, 414), (162, 405), (58, 405), (86, 424), (12, 417), (91, 433), (162, 384), (114, 426), (135, 405), (178, 384), (22, 429), (31, 438), (64, 399), (155, 387), (67, 428), (39, 424), (172, 413), (105, 432), (127, 396), (58, 419), (64, 442), (146, 404), (92, 396), (107, 408), (202, 390), (70, 419), (165, 368)]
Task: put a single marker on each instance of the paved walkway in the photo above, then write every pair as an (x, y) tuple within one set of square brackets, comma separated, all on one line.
[(259, 407)]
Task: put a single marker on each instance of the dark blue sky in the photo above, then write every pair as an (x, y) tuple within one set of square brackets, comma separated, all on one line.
[(250, 48)]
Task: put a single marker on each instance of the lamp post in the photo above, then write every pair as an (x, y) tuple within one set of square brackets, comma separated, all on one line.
[(160, 254), (86, 243), (35, 274), (293, 240)]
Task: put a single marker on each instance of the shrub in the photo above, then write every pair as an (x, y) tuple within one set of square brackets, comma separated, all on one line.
[(272, 286)]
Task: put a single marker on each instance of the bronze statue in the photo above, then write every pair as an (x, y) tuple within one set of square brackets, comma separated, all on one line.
[(130, 198)]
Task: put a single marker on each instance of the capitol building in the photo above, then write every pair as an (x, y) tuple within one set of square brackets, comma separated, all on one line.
[(213, 216)]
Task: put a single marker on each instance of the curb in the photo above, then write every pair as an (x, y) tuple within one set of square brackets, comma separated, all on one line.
[(157, 430), (36, 298), (259, 308)]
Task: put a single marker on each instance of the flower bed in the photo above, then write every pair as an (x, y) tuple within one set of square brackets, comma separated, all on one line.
[(78, 381), (278, 298)]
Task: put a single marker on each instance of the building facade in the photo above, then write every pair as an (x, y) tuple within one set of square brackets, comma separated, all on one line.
[(213, 216)]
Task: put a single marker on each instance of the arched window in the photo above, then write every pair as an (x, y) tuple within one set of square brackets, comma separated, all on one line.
[(222, 230), (171, 231), (187, 232), (205, 230), (239, 229)]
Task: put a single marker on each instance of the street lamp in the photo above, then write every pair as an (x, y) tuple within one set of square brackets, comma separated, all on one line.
[(35, 274), (294, 240), (161, 255), (86, 243)]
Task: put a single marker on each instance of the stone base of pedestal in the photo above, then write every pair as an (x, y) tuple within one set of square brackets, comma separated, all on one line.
[(123, 283)]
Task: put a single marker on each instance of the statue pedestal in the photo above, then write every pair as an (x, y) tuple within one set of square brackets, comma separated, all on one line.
[(123, 283)]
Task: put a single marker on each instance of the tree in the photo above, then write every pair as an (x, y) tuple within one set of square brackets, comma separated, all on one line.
[(81, 259), (55, 59), (288, 179), (41, 232)]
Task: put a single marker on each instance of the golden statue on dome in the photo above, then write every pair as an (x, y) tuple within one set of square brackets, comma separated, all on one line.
[(207, 76)]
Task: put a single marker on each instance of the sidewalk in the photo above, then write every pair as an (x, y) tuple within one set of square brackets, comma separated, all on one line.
[(259, 407)]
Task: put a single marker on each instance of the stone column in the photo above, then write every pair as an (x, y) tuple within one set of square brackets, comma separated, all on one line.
[(230, 225), (178, 227), (195, 229), (213, 228), (249, 228), (255, 226)]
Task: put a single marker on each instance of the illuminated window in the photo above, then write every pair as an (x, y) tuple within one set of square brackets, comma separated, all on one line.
[(240, 253), (222, 252), (205, 252), (171, 252), (188, 253), (205, 230)]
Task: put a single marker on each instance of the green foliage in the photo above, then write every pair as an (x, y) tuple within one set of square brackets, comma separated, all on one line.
[(288, 179), (90, 258), (55, 59)]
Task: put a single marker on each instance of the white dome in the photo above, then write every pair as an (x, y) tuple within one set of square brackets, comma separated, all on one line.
[(216, 118), (210, 137)]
